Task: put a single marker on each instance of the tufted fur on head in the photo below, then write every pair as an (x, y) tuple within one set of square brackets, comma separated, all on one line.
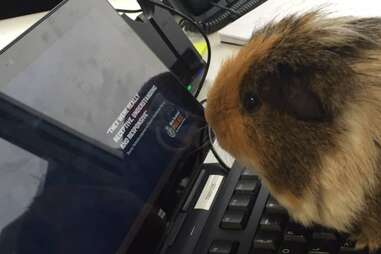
[(301, 103)]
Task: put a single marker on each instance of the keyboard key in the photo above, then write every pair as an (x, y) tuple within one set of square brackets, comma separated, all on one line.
[(241, 202), (323, 242), (348, 247), (262, 251), (272, 223), (318, 251), (295, 232), (292, 248), (272, 206), (266, 241), (248, 175), (223, 247), (234, 220), (324, 236), (247, 186)]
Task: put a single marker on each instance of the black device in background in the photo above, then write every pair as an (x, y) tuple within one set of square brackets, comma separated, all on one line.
[(213, 15), (15, 8), (167, 40), (99, 142)]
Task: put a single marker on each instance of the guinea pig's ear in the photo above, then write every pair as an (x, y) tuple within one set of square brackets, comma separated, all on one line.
[(288, 89)]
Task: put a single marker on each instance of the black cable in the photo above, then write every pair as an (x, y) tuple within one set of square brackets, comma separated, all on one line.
[(220, 20), (200, 30), (225, 167), (232, 11), (215, 153), (202, 102), (128, 11), (181, 22)]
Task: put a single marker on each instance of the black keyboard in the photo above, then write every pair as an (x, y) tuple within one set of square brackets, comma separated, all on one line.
[(275, 231)]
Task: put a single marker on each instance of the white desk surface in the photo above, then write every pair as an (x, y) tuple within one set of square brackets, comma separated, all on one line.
[(241, 30), (12, 28)]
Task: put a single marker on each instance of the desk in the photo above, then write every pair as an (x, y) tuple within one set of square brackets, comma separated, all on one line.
[(12, 28)]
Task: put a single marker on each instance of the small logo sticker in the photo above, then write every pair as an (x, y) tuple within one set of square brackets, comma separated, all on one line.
[(171, 132), (175, 124)]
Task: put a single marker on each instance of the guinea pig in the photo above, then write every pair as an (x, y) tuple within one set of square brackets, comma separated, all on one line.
[(301, 104)]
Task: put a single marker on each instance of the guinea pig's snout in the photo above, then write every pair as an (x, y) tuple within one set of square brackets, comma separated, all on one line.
[(211, 116), (216, 121), (221, 112)]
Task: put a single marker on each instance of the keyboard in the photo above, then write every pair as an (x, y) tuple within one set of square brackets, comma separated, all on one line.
[(275, 232)]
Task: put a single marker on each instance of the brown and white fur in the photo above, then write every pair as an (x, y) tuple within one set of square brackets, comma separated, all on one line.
[(314, 135)]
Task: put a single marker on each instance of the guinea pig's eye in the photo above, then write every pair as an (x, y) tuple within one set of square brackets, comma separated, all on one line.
[(251, 102)]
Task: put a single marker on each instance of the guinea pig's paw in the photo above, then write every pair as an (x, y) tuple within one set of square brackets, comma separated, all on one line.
[(299, 208), (301, 219), (361, 244), (364, 243), (374, 246)]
